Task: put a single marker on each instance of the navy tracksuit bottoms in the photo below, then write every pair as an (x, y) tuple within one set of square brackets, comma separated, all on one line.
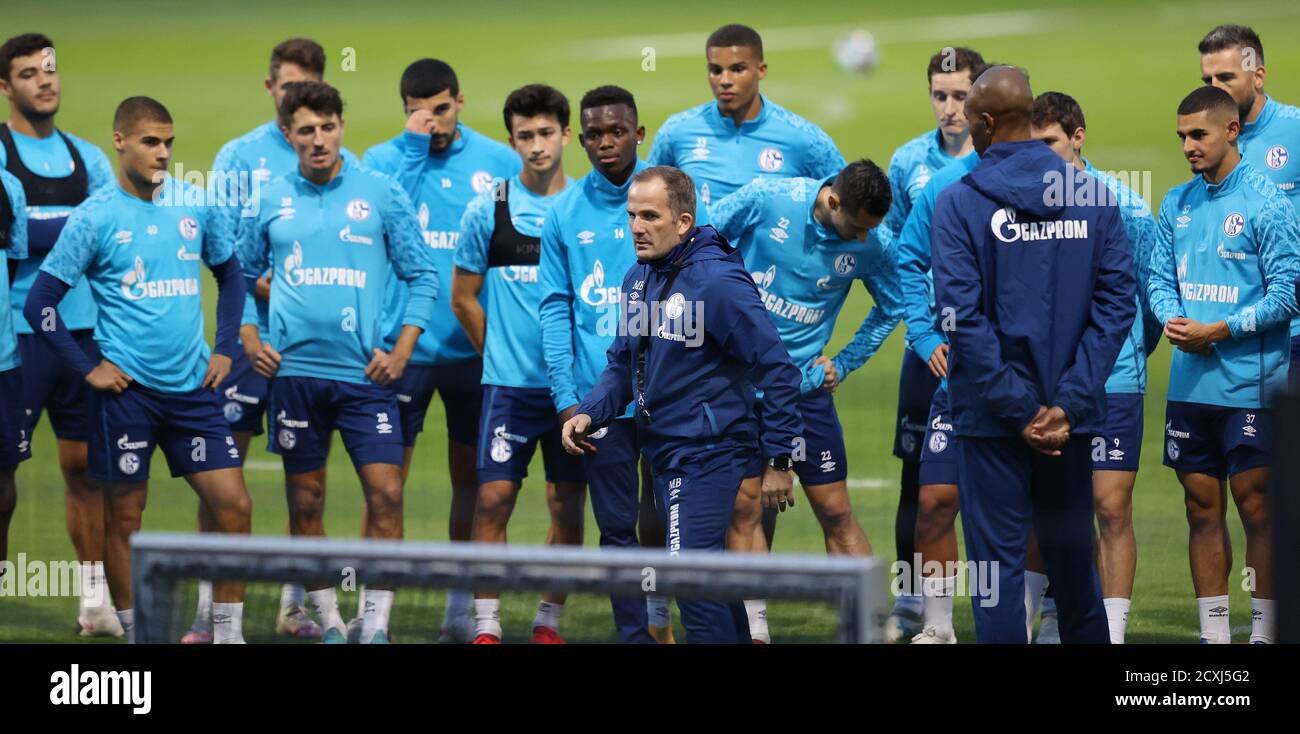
[(695, 500), (614, 483), (1005, 486)]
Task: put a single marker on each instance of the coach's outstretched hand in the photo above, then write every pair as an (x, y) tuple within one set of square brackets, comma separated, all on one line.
[(108, 376), (267, 362), (218, 371), (778, 488), (574, 435)]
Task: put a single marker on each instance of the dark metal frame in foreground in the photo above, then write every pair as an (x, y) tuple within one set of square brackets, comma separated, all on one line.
[(857, 584)]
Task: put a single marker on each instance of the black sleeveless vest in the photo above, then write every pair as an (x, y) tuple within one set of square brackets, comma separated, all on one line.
[(42, 191), (6, 218), (508, 246)]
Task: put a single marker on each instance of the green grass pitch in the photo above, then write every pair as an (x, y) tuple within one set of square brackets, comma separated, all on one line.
[(1128, 64)]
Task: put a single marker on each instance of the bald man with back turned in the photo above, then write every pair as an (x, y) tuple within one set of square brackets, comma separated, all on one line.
[(1037, 296)]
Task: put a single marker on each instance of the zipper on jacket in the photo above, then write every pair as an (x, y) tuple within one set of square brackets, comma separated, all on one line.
[(708, 415)]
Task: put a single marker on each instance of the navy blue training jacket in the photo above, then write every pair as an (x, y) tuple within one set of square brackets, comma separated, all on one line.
[(710, 346), (1034, 284)]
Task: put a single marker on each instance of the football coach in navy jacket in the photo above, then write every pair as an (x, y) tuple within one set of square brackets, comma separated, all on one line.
[(694, 342), (1037, 294)]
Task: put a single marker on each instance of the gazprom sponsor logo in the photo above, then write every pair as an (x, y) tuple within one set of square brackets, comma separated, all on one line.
[(233, 393), (441, 239), (519, 273), (502, 432), (288, 422), (125, 443), (136, 286), (1209, 292), (795, 312), (1227, 254), (1007, 229), (593, 291), (297, 275), (346, 235)]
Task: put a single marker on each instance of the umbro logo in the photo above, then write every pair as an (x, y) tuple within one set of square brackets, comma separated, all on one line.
[(586, 237), (1219, 611)]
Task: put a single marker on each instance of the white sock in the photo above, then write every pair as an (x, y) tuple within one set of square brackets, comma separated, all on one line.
[(361, 601), (326, 603), (457, 604), (290, 596), (487, 617), (756, 610), (1213, 611), (94, 587), (1035, 585), (548, 615), (127, 619), (228, 623), (1116, 617), (912, 603), (203, 610), (938, 592), (1263, 620), (659, 611), (374, 617)]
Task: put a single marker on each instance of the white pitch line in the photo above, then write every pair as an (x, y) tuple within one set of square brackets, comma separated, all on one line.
[(910, 30), (263, 466), (799, 38)]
